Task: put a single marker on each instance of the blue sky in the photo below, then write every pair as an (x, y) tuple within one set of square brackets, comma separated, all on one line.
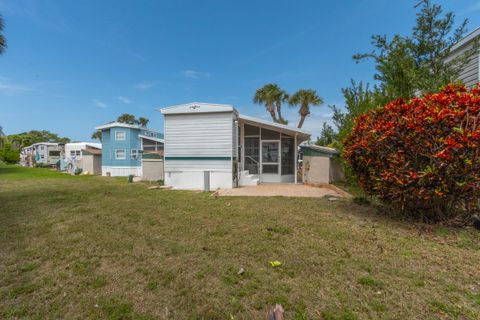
[(71, 65)]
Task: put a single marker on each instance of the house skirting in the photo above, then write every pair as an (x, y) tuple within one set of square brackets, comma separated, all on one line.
[(121, 171), (194, 180)]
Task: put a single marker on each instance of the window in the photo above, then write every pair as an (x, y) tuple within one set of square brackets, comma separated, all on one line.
[(120, 154), (74, 153), (270, 135), (119, 135), (251, 130), (134, 154), (42, 148), (54, 153)]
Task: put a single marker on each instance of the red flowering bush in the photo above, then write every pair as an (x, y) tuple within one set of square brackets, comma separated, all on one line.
[(421, 156)]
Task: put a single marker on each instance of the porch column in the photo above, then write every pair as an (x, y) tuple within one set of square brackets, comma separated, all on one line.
[(241, 156), (296, 159)]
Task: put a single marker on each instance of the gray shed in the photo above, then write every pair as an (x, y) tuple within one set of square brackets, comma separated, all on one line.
[(320, 165), (152, 167)]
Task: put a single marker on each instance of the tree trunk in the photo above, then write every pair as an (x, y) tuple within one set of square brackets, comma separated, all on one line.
[(271, 109), (279, 112), (300, 123)]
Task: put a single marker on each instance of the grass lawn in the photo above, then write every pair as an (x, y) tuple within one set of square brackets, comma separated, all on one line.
[(74, 247)]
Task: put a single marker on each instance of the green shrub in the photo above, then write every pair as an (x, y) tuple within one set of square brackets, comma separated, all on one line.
[(421, 156), (9, 155)]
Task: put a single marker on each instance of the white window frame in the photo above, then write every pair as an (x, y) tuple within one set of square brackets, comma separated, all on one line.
[(134, 154), (124, 154), (120, 139), (75, 153)]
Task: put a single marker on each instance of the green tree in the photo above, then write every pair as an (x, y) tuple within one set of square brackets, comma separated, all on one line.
[(143, 121), (327, 136), (272, 96), (9, 154), (358, 100), (34, 136), (130, 119), (304, 98), (127, 118), (97, 135), (280, 96), (267, 95), (3, 41), (417, 64)]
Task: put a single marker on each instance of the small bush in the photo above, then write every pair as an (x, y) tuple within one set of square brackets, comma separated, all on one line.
[(9, 155), (421, 156)]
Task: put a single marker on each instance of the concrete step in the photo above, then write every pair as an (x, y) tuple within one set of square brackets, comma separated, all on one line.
[(247, 179)]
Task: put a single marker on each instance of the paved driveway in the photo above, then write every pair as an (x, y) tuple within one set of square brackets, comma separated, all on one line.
[(283, 189)]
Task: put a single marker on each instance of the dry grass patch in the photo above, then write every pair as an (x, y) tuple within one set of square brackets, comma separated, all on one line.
[(91, 247)]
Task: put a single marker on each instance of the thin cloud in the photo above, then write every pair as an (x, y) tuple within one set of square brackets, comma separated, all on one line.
[(45, 15), (145, 85), (124, 100), (193, 74), (13, 89), (99, 104)]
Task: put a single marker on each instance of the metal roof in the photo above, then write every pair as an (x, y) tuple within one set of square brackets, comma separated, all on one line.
[(469, 37), (84, 144), (320, 149), (123, 125), (274, 126), (198, 107), (151, 138)]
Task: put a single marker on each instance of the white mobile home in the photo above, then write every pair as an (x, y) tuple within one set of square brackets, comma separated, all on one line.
[(213, 146), (73, 150), (46, 153)]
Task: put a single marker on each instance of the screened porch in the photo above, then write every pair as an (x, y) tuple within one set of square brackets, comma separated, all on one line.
[(268, 151)]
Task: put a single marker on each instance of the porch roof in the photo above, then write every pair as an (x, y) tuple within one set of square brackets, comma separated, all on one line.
[(301, 134), (151, 138)]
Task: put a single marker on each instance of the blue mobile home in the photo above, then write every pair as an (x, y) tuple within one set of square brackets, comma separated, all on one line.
[(123, 145)]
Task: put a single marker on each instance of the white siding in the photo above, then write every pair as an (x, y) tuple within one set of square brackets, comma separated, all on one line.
[(470, 73), (198, 135)]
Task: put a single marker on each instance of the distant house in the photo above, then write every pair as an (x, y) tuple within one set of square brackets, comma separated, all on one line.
[(82, 155), (470, 73), (46, 153), (74, 149), (123, 145)]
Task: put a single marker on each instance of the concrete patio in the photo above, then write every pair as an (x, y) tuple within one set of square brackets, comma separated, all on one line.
[(285, 190)]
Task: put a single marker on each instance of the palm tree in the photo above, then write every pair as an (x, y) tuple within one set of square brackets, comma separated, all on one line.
[(97, 135), (280, 96), (126, 118), (3, 41), (304, 98), (143, 121), (265, 95)]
